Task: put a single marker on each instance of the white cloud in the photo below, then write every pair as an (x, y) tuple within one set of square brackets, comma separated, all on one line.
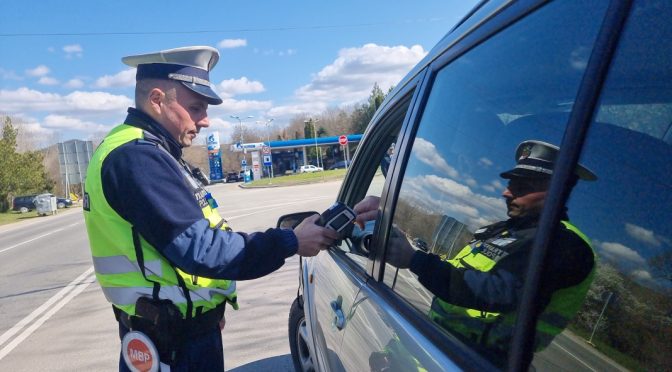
[(122, 79), (485, 162), (620, 254), (497, 184), (72, 123), (628, 261), (489, 188), (471, 182), (74, 83), (73, 50), (297, 109), (288, 52), (54, 128), (29, 126), (47, 80), (232, 87), (230, 106), (426, 152), (97, 101), (40, 70), (351, 76), (273, 52), (448, 197), (8, 75), (224, 127), (642, 234), (232, 43), (29, 100)]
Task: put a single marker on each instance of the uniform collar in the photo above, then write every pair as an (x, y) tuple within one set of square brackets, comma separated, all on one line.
[(531, 221), (141, 120)]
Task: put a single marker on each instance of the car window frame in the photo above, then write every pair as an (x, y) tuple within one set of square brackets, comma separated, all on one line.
[(353, 190), (521, 351)]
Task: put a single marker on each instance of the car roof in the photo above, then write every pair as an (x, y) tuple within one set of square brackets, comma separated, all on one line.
[(480, 13)]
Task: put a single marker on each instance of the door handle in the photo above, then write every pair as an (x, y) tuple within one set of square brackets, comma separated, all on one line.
[(339, 317)]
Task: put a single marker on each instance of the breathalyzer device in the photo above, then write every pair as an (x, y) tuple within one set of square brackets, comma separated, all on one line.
[(338, 217)]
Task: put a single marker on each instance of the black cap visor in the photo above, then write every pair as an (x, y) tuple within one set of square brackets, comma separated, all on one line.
[(523, 173), (581, 172), (205, 91)]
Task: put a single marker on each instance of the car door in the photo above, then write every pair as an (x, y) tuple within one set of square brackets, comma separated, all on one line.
[(512, 80), (334, 278)]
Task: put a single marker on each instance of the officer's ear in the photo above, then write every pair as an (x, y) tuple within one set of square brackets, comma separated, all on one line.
[(155, 100)]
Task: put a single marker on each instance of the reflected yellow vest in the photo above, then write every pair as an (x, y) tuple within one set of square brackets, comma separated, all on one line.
[(114, 254), (494, 329)]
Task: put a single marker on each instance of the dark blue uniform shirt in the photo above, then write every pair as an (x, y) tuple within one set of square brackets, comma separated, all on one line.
[(146, 187)]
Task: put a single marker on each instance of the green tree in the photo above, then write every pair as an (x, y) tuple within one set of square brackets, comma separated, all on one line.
[(363, 113), (20, 173)]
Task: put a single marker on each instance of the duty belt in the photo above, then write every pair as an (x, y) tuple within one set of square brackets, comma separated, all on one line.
[(197, 325)]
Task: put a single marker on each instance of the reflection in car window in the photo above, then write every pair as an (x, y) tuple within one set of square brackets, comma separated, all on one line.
[(468, 258), (376, 160), (628, 311)]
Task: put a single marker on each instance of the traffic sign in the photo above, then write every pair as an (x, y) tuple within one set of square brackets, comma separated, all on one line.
[(267, 160), (243, 162), (266, 150), (343, 140)]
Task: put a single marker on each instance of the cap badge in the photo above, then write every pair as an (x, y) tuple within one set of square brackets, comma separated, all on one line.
[(525, 152)]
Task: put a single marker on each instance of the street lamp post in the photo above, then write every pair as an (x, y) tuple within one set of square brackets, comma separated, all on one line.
[(317, 152), (240, 122), (267, 123)]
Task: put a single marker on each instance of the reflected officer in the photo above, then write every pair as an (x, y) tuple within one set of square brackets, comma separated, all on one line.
[(163, 255), (477, 291)]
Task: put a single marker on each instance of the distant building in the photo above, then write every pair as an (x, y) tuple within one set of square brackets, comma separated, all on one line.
[(73, 160), (449, 237)]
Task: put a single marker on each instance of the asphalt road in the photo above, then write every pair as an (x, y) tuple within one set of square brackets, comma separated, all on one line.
[(53, 316)]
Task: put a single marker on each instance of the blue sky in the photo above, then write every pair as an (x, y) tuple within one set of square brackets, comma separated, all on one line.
[(61, 76)]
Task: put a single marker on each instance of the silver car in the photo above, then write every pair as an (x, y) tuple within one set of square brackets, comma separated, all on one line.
[(591, 78)]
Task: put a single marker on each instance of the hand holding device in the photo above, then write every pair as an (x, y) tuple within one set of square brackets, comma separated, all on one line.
[(338, 217)]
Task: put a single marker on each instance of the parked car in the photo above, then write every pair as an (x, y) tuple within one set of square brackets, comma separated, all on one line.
[(310, 169), (24, 203), (63, 202), (591, 77), (340, 165), (233, 177)]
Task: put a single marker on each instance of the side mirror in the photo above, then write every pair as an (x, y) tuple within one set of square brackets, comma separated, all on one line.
[(290, 221)]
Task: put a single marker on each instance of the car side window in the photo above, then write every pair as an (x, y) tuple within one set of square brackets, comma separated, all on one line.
[(462, 226), (376, 156), (627, 312)]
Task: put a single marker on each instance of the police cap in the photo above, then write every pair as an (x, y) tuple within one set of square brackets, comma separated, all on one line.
[(189, 65), (536, 159)]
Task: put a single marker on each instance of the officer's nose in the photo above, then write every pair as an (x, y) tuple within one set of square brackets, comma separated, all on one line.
[(507, 193), (205, 122)]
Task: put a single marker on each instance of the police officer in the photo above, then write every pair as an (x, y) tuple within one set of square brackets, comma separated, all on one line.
[(477, 290), (163, 255)]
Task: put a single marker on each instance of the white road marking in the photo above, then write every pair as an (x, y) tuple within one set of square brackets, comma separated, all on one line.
[(265, 208), (39, 237), (575, 357), (46, 311)]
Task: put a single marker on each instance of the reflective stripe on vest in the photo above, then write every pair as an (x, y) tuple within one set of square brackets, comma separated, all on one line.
[(113, 251), (122, 265), (125, 296), (492, 328)]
